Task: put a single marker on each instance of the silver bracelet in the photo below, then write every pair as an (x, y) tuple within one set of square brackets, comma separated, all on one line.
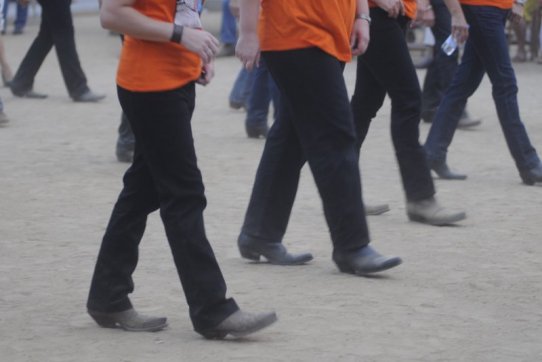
[(365, 17)]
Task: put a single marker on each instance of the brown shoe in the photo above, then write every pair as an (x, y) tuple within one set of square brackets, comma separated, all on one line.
[(240, 324), (429, 211), (129, 320)]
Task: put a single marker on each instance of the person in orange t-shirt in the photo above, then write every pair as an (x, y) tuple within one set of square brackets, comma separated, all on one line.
[(386, 68), (305, 45), (486, 50), (165, 53)]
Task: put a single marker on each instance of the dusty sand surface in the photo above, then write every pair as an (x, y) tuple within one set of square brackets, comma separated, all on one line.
[(465, 293)]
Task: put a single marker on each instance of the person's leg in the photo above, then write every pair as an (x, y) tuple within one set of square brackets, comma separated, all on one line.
[(258, 102), (466, 80), (117, 259), (59, 17), (241, 89), (520, 30), (440, 73), (487, 33), (367, 99), (5, 8), (388, 60), (168, 149), (125, 141), (20, 19), (228, 31), (23, 81), (313, 92)]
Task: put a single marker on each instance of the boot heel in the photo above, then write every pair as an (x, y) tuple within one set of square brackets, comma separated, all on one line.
[(104, 321), (249, 254)]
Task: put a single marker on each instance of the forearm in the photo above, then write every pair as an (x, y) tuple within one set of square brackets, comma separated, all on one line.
[(120, 16), (248, 17), (362, 7), (454, 7)]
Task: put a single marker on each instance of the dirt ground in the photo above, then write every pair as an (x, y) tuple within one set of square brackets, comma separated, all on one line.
[(465, 293)]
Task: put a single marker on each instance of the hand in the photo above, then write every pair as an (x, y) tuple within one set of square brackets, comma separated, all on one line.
[(460, 28), (359, 39), (200, 42), (516, 15), (24, 2), (207, 73), (248, 50), (394, 8)]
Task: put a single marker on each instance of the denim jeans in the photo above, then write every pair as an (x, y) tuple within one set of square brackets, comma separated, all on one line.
[(56, 30), (20, 17), (486, 50), (242, 86), (228, 27), (386, 68), (314, 123), (164, 175), (263, 91), (441, 71)]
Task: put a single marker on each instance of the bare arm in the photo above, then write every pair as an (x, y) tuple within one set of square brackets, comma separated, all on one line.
[(460, 28), (359, 39), (248, 45), (120, 16)]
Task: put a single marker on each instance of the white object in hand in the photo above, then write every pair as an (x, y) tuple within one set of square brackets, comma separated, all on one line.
[(450, 45)]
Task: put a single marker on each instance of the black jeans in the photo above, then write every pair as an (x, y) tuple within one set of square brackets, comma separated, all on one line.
[(56, 29), (165, 176), (441, 71), (314, 123), (386, 67)]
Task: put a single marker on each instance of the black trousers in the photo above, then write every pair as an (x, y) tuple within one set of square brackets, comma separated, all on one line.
[(441, 71), (314, 124), (165, 176), (386, 68), (56, 29)]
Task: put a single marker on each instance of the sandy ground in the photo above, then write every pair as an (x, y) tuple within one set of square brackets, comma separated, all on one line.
[(465, 293)]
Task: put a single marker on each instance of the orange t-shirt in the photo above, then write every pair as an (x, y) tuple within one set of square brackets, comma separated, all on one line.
[(410, 7), (502, 4), (297, 24), (149, 66)]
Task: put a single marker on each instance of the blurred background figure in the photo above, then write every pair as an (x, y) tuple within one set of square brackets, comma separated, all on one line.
[(527, 32), (20, 16), (228, 30), (56, 29), (5, 68)]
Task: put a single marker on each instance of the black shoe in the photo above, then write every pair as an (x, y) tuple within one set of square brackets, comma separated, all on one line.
[(444, 172), (29, 94), (129, 320), (256, 131), (240, 324), (17, 31), (88, 97), (275, 253), (364, 261), (237, 105), (532, 176), (376, 209), (124, 154)]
